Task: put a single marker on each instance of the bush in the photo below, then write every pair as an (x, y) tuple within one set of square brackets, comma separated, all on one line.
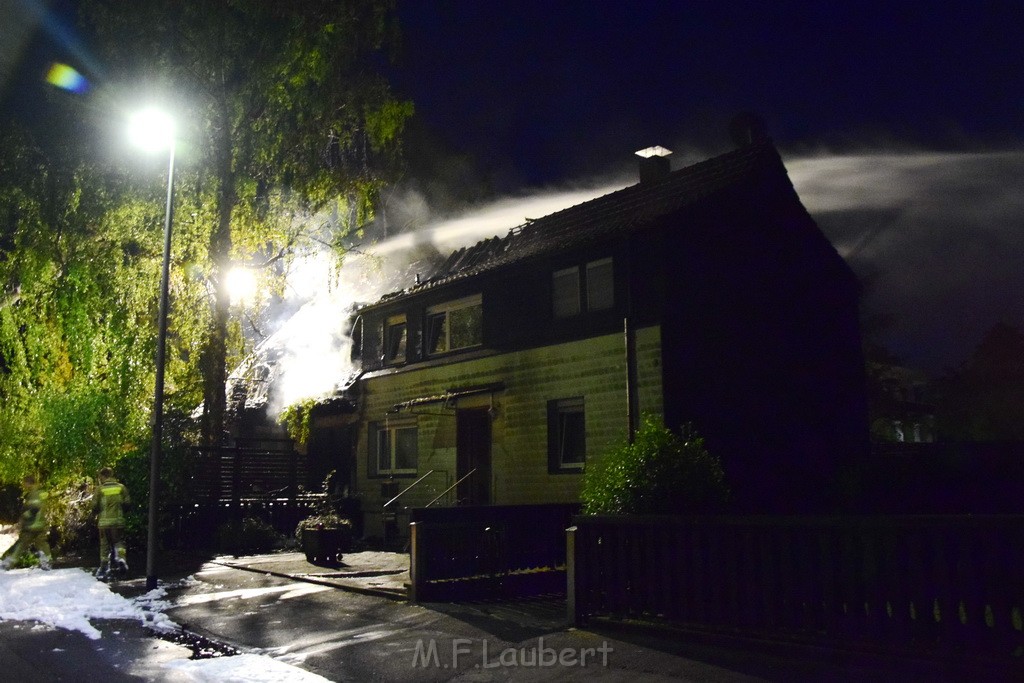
[(325, 520), (69, 512), (252, 536), (659, 473)]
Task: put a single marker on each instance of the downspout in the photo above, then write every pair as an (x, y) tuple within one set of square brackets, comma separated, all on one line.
[(629, 334)]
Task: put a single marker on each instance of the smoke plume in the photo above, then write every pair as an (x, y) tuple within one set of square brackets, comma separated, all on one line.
[(937, 240)]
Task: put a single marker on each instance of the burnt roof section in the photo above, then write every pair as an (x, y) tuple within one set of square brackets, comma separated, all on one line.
[(616, 212)]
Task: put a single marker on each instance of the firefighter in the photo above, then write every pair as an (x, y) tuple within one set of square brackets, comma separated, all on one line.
[(109, 501), (34, 528)]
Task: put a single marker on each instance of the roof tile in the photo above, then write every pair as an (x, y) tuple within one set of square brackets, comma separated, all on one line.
[(616, 212)]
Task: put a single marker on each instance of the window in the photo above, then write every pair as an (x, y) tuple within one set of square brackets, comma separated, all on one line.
[(567, 446), (598, 286), (455, 325), (395, 337), (565, 292), (393, 448)]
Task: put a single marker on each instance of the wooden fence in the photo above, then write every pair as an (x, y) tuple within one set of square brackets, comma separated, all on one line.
[(235, 473), (229, 484), (950, 583), (489, 551)]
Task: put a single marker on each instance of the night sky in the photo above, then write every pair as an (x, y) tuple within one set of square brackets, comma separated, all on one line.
[(901, 122), (552, 90)]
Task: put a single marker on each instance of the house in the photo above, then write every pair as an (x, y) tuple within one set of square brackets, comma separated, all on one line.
[(899, 406), (704, 295)]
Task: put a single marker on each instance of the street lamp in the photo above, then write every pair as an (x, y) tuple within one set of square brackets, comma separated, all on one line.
[(153, 130)]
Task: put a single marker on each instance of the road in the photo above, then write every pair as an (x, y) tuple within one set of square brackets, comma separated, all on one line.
[(346, 636), (297, 615)]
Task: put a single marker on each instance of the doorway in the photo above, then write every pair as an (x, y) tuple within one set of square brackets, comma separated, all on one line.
[(473, 452)]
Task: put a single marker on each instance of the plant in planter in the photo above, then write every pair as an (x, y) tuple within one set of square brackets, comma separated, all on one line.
[(324, 537)]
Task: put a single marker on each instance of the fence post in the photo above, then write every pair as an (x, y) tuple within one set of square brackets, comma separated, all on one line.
[(570, 577), (415, 560)]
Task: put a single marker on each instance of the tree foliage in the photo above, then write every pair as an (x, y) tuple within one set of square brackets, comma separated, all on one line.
[(983, 400), (285, 115), (74, 316), (289, 132)]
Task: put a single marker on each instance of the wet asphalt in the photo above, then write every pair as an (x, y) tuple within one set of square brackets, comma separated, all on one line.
[(343, 634)]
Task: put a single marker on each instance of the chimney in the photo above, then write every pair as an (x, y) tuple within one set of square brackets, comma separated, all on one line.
[(654, 165)]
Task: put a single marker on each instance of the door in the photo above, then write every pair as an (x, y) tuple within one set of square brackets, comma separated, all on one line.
[(473, 452)]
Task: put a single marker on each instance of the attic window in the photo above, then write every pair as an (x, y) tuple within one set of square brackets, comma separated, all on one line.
[(583, 288), (600, 292), (455, 325), (395, 339), (565, 289)]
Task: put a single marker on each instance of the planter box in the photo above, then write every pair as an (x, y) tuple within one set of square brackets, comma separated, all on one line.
[(326, 545)]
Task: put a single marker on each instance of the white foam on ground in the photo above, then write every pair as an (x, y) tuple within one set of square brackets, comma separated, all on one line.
[(246, 668), (72, 598)]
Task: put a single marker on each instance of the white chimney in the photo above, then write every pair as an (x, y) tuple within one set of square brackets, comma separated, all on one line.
[(654, 164)]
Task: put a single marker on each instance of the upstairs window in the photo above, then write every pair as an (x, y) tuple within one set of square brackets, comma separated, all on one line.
[(590, 287), (395, 339), (455, 325), (565, 291), (600, 285), (567, 445), (394, 448)]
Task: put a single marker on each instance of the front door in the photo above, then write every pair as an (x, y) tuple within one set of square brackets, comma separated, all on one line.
[(473, 454)]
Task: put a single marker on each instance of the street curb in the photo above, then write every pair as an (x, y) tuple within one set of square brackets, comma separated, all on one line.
[(376, 592)]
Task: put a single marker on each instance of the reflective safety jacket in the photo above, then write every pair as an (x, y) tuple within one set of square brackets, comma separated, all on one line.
[(111, 497), (34, 516)]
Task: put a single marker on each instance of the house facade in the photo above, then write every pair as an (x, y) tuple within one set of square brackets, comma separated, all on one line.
[(706, 295)]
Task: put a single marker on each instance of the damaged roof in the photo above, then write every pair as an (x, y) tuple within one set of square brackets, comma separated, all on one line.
[(609, 214)]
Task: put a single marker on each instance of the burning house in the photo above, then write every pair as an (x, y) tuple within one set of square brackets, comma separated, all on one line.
[(704, 295)]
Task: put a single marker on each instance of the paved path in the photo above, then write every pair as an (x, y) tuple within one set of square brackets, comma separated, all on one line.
[(373, 573)]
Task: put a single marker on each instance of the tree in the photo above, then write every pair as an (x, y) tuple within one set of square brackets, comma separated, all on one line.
[(983, 400), (287, 115), (74, 312)]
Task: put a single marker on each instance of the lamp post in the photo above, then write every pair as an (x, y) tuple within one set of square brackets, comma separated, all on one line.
[(154, 131)]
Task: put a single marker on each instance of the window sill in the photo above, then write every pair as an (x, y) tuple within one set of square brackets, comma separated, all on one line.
[(566, 470)]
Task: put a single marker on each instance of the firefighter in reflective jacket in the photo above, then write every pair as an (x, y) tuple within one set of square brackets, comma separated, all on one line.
[(109, 500), (34, 528)]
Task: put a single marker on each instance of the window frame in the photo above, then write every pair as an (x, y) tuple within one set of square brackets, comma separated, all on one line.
[(557, 409), (565, 274), (391, 323), (581, 275), (391, 429), (589, 280), (445, 310)]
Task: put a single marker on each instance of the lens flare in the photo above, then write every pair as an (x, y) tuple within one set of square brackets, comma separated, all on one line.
[(66, 78)]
